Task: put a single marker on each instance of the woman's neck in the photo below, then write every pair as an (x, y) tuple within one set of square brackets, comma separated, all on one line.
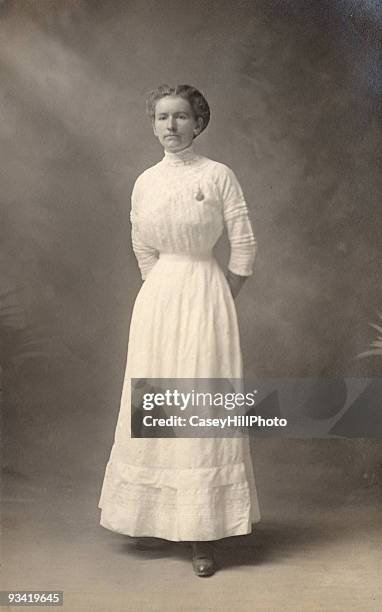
[(179, 158)]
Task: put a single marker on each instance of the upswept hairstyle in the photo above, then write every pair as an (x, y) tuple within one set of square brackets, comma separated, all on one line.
[(195, 98)]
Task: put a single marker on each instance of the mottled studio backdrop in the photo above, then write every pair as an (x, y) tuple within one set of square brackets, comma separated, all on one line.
[(294, 88)]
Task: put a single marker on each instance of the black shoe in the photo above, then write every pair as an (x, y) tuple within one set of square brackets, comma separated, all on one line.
[(148, 543), (203, 561)]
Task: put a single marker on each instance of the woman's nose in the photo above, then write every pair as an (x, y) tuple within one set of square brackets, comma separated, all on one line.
[(171, 124)]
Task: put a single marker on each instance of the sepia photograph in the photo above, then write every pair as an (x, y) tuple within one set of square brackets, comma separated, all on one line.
[(191, 305)]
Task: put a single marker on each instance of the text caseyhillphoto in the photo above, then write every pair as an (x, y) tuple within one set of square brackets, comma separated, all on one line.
[(230, 421)]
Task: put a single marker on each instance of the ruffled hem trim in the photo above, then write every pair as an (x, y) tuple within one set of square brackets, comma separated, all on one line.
[(180, 479), (178, 505)]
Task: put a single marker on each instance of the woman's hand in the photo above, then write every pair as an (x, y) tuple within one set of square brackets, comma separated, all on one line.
[(235, 282)]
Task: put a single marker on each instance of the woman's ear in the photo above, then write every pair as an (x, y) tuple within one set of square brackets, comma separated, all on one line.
[(153, 126), (199, 126)]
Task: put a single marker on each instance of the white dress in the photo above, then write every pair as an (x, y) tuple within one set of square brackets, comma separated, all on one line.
[(184, 325)]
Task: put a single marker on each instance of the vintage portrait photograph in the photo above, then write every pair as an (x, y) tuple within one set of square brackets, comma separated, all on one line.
[(191, 305)]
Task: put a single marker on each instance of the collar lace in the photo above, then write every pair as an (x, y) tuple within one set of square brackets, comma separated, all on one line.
[(181, 158)]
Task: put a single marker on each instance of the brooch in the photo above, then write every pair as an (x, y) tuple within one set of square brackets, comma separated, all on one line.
[(199, 195)]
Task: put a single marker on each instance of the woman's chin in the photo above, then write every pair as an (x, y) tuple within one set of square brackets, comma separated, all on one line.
[(173, 145)]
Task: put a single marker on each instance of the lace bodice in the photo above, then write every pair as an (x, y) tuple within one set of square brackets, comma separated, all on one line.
[(180, 205)]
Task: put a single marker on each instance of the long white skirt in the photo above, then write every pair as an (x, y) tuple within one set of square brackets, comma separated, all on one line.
[(184, 325)]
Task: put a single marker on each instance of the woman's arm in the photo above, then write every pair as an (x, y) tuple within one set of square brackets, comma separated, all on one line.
[(240, 232), (235, 282), (147, 256)]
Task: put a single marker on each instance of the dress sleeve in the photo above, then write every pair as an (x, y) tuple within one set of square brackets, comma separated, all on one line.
[(238, 224), (146, 255)]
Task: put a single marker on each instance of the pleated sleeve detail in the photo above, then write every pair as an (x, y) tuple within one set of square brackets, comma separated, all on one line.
[(239, 228)]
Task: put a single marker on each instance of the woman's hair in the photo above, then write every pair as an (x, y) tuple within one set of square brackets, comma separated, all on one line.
[(195, 98)]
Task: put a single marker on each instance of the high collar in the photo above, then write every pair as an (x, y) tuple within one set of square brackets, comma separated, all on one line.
[(181, 158)]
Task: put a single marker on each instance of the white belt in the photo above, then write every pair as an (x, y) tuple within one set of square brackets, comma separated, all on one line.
[(187, 256)]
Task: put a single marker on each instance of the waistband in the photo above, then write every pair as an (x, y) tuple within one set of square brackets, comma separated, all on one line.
[(187, 256)]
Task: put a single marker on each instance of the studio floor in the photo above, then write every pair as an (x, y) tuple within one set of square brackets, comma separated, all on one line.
[(298, 558)]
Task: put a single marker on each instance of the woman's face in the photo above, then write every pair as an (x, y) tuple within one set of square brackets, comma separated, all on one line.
[(174, 124)]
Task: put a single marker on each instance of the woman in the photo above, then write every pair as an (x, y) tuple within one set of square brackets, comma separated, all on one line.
[(183, 325)]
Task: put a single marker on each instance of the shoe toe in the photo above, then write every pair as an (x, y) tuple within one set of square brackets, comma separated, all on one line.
[(204, 567)]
